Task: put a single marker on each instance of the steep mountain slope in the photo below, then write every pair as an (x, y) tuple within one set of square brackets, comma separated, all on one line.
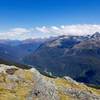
[(19, 84), (8, 52), (74, 56), (14, 50)]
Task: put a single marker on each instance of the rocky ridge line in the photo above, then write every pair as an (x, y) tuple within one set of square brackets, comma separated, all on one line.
[(19, 84)]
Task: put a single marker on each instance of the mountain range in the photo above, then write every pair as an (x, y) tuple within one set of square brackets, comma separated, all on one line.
[(74, 56), (15, 50)]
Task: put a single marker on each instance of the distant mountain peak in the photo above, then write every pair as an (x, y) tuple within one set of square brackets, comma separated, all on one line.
[(96, 35)]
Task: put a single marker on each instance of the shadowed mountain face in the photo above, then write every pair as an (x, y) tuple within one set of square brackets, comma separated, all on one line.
[(74, 56), (14, 50)]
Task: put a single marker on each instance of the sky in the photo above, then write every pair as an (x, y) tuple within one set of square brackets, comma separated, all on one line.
[(21, 19)]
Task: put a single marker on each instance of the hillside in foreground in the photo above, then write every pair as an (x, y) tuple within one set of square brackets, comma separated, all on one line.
[(29, 84)]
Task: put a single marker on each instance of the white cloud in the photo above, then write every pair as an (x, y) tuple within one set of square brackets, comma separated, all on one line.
[(73, 29), (23, 33), (42, 29), (16, 33), (20, 30), (55, 28)]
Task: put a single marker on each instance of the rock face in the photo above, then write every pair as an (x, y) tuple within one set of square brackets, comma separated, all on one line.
[(44, 88), (19, 84)]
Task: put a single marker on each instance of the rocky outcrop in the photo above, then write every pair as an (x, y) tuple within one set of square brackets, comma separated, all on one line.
[(43, 88), (19, 84)]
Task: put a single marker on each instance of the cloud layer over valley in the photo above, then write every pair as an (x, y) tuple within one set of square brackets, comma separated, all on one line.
[(42, 32)]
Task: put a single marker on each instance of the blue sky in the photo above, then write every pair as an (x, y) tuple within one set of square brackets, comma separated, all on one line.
[(39, 13)]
